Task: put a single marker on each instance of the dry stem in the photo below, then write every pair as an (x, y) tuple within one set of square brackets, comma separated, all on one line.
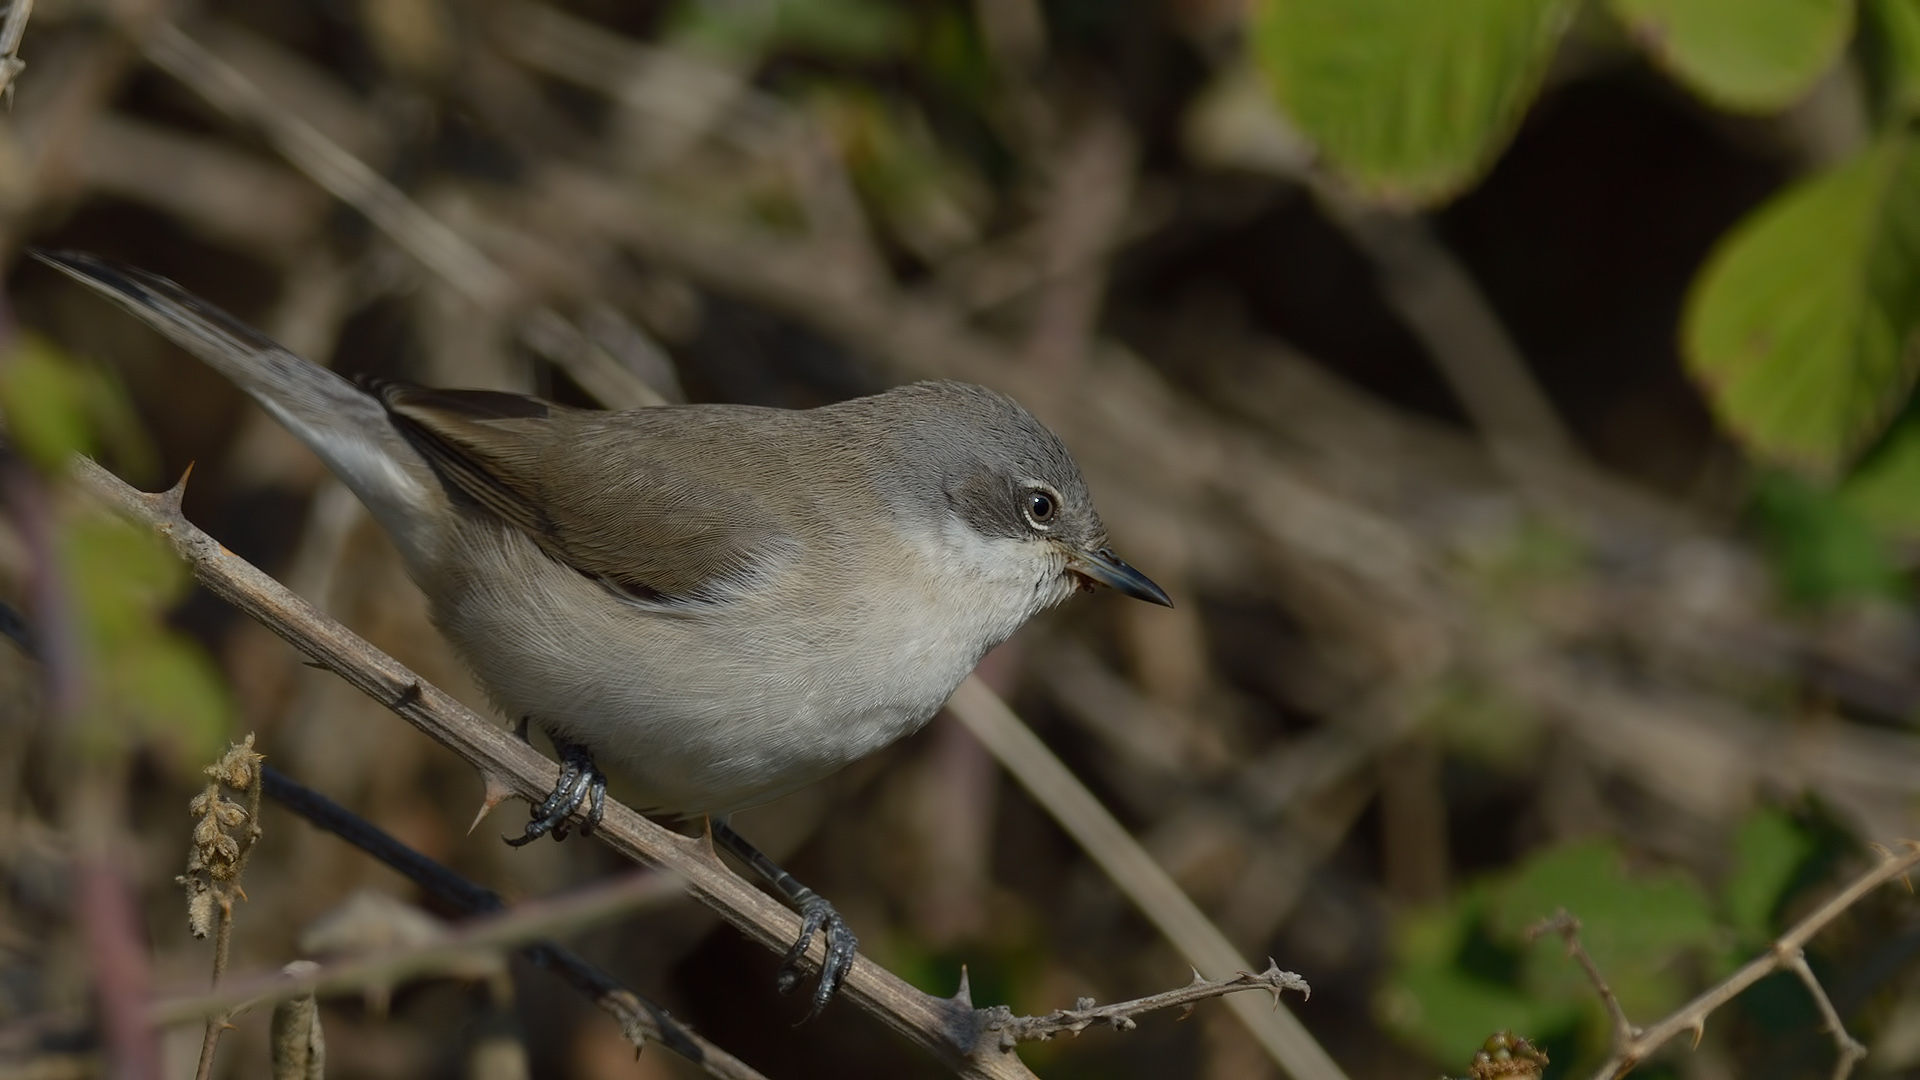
[(1016, 1029), (215, 868)]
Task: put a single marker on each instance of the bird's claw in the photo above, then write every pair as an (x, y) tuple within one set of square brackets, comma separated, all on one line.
[(580, 783), (817, 916)]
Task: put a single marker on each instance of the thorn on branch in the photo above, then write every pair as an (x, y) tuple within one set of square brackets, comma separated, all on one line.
[(964, 995), (173, 500)]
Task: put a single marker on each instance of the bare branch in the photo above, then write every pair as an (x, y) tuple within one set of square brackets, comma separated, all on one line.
[(1850, 1050), (1568, 928), (1014, 1030), (1133, 870)]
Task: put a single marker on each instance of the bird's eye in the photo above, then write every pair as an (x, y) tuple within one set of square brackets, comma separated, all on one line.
[(1041, 507)]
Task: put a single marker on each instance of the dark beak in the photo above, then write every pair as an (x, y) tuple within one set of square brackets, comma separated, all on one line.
[(1103, 567)]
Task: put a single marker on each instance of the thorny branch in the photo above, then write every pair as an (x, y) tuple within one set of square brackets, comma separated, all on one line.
[(1014, 1030), (1633, 1045)]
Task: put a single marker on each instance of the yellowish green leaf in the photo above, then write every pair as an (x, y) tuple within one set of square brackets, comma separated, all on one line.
[(1800, 327), (1409, 99), (1749, 55)]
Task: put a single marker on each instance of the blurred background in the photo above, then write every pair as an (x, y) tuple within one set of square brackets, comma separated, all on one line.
[(1513, 395)]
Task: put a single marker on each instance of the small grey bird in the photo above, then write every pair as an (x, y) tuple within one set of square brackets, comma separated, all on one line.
[(721, 603)]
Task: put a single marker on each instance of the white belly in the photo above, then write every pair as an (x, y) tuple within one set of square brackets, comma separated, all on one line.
[(724, 706)]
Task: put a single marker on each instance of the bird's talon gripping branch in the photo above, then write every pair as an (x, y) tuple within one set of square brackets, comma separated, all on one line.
[(581, 783), (816, 916), (819, 916)]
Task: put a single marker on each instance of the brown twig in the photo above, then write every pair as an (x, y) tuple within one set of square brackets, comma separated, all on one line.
[(1014, 1030), (1632, 1045), (1132, 870)]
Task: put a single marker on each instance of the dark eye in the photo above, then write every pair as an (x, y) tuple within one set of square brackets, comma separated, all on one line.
[(1041, 507)]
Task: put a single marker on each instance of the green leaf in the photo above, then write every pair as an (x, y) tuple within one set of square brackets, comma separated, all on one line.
[(1892, 40), (1823, 550), (1443, 998), (144, 679), (56, 406), (44, 398), (1885, 489), (1634, 927), (1767, 855), (1800, 326), (1748, 55), (1410, 99)]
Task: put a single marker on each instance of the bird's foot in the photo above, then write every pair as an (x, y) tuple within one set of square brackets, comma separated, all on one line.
[(580, 783), (818, 916)]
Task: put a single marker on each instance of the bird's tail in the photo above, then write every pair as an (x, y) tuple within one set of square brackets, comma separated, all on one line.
[(348, 428)]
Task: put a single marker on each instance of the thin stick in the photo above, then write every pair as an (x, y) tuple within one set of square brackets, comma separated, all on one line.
[(1850, 1050), (1134, 872), (1014, 1029), (1568, 928)]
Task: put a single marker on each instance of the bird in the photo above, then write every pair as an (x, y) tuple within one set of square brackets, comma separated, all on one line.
[(720, 603)]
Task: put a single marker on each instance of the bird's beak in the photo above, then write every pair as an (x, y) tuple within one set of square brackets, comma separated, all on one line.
[(1103, 567)]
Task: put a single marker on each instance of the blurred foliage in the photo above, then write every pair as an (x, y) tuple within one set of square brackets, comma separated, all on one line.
[(143, 680), (1467, 965), (146, 682), (1824, 549), (1800, 326), (56, 406)]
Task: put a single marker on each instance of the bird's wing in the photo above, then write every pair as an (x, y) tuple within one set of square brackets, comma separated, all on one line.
[(617, 496)]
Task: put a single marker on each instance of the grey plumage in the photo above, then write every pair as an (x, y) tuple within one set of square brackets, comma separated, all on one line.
[(723, 602)]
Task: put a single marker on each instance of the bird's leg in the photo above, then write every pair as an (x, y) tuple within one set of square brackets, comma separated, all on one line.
[(581, 782), (816, 915)]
